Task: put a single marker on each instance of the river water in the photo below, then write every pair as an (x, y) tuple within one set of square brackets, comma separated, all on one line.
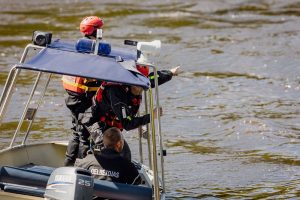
[(231, 119)]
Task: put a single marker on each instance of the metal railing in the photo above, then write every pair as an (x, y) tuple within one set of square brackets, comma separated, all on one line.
[(151, 138), (7, 93)]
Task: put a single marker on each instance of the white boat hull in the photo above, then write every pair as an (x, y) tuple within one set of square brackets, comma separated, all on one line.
[(39, 158)]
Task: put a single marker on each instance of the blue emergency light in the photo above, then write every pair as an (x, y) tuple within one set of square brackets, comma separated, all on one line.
[(85, 45)]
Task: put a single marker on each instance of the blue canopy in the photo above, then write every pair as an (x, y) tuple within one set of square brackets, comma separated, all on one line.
[(63, 59)]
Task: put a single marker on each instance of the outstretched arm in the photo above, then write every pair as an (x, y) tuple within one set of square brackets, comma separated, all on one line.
[(164, 75)]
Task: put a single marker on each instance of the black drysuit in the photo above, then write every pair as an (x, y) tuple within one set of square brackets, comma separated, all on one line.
[(88, 114)]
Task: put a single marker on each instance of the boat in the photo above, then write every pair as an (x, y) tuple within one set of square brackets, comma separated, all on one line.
[(34, 170)]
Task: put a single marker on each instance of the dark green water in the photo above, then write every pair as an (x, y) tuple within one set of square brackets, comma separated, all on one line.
[(232, 118)]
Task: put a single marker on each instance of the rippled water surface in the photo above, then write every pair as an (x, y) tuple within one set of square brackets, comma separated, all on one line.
[(232, 117)]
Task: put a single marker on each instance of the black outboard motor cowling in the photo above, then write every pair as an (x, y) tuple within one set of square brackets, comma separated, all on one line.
[(70, 183)]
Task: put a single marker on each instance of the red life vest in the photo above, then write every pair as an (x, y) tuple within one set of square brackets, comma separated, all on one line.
[(79, 84), (99, 94), (109, 117)]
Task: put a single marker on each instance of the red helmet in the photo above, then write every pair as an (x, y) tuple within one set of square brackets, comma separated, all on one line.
[(143, 69), (90, 24)]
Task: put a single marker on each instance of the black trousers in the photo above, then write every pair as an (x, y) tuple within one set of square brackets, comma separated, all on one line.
[(79, 140)]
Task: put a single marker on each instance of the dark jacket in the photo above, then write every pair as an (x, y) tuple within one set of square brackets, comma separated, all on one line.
[(117, 103), (109, 165), (120, 104)]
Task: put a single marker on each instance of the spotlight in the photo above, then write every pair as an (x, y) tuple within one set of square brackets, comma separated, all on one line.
[(41, 38)]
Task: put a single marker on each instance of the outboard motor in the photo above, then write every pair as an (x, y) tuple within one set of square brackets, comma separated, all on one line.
[(69, 183)]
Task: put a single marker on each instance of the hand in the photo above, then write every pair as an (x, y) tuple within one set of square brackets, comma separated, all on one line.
[(157, 111), (175, 70), (96, 132)]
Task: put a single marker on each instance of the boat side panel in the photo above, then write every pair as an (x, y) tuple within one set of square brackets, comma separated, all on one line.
[(47, 154), (51, 155), (14, 157), (12, 196)]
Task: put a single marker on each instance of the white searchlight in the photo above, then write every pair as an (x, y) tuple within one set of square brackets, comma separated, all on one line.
[(148, 50)]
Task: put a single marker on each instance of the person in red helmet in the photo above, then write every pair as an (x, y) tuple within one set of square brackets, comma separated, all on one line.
[(80, 92)]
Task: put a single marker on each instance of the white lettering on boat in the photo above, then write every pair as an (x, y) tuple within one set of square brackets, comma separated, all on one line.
[(103, 172)]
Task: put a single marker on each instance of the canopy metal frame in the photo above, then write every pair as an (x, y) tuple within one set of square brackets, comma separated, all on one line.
[(26, 115)]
